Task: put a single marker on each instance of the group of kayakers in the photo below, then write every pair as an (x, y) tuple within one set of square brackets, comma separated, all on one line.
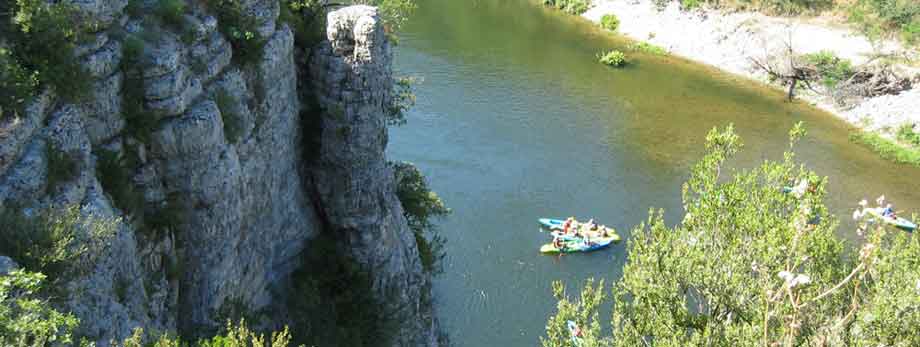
[(573, 228)]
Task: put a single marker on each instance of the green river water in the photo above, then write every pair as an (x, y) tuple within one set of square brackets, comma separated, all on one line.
[(515, 120)]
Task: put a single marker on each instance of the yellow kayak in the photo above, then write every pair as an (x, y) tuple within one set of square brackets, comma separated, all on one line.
[(579, 245)]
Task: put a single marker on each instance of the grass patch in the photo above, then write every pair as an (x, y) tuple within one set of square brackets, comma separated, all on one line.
[(906, 134), (773, 7), (648, 48), (886, 148), (612, 58), (61, 167), (233, 121), (610, 22), (574, 7)]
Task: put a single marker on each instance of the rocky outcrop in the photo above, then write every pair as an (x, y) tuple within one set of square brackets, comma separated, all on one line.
[(232, 212), (352, 81)]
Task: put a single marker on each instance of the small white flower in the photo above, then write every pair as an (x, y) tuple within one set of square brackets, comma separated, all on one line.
[(799, 189), (858, 214), (785, 275), (800, 280)]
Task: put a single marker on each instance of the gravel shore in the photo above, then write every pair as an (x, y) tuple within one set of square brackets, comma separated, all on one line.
[(730, 40)]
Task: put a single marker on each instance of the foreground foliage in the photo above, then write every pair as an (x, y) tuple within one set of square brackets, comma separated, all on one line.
[(55, 241), (26, 320), (751, 265)]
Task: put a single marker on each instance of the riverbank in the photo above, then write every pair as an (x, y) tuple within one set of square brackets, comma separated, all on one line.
[(732, 41)]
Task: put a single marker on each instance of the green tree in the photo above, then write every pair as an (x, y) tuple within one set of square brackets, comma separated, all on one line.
[(420, 207), (755, 264), (56, 241), (25, 319)]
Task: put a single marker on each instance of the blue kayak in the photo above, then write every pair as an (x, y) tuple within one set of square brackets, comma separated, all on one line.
[(551, 223), (898, 222)]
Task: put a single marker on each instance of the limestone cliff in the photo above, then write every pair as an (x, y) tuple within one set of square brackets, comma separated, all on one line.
[(245, 205)]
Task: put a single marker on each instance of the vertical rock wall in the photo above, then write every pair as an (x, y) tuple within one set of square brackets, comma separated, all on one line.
[(352, 80), (246, 212)]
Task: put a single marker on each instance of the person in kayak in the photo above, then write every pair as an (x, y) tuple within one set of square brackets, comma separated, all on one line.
[(567, 225), (557, 242), (592, 226), (889, 212)]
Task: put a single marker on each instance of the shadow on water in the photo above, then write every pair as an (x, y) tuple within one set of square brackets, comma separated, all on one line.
[(516, 120)]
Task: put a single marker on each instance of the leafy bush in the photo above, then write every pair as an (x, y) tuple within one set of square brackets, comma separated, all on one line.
[(61, 167), (25, 319), (831, 70), (691, 4), (233, 122), (886, 148), (394, 12), (402, 99), (575, 7), (613, 58), (305, 17), (240, 29), (610, 22), (749, 265), (420, 206), (332, 302), (172, 13), (647, 48), (42, 40), (906, 133), (54, 241), (17, 84), (115, 174)]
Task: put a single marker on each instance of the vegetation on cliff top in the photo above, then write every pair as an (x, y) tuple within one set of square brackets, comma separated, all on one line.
[(37, 42), (751, 265)]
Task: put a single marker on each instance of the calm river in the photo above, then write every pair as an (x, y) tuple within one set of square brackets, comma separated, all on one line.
[(515, 120)]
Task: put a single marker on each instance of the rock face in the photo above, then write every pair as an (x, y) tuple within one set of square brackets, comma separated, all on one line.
[(220, 171), (352, 81)]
